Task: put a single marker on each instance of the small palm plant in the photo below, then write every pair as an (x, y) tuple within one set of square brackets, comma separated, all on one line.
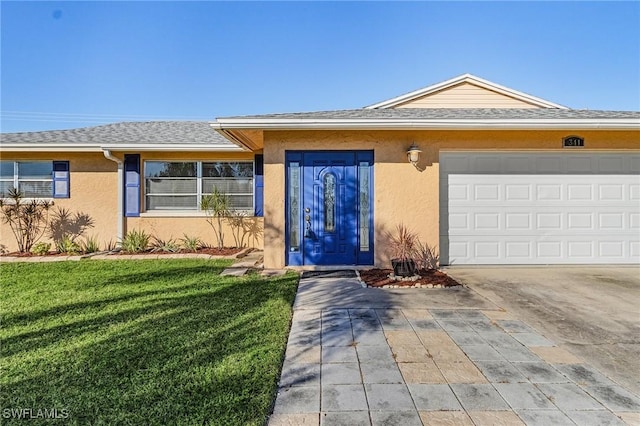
[(216, 206)]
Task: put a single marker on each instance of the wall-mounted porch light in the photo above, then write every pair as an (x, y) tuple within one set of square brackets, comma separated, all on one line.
[(413, 154)]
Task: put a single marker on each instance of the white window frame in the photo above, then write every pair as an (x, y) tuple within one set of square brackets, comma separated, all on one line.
[(199, 185), (16, 178)]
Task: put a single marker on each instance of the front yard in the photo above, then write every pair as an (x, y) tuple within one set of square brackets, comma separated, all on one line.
[(141, 342)]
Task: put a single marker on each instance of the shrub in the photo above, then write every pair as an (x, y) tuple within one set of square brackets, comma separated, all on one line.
[(167, 246), (90, 245), (426, 257), (135, 241), (68, 245), (41, 249), (111, 246), (191, 243), (28, 220)]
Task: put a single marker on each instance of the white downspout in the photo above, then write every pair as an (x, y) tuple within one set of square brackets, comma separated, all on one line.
[(120, 164)]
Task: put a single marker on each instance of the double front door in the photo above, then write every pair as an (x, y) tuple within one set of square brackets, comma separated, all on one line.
[(329, 207)]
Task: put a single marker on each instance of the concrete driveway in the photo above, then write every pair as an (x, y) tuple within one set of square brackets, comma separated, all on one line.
[(594, 312)]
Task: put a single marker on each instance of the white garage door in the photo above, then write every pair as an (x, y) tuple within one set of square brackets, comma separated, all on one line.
[(525, 208)]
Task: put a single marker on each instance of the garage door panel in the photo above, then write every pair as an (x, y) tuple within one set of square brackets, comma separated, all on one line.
[(611, 192), (532, 163), (540, 217), (518, 249), (518, 192), (610, 164), (549, 192), (580, 221), (486, 192), (579, 164), (540, 220), (549, 221), (580, 249), (518, 221), (580, 192), (611, 249), (551, 250), (611, 221)]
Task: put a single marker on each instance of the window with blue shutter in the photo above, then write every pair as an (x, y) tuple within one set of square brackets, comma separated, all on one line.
[(259, 183), (61, 186), (132, 185)]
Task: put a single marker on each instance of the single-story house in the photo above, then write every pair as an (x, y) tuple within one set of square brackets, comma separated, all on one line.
[(483, 173)]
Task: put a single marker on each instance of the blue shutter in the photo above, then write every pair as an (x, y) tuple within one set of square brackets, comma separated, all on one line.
[(132, 185), (61, 179), (259, 185)]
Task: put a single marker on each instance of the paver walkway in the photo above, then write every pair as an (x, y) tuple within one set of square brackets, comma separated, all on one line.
[(432, 357)]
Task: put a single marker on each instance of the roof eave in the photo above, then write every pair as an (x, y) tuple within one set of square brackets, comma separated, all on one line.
[(52, 147), (400, 124), (174, 147)]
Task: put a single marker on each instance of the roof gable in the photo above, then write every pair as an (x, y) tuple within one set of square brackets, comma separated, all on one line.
[(465, 91)]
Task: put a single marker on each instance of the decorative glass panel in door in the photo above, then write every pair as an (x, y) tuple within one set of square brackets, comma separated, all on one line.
[(326, 203)]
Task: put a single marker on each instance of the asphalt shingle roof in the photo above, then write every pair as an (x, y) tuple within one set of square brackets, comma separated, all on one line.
[(450, 113), (151, 132)]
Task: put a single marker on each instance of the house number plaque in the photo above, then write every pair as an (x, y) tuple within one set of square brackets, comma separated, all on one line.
[(572, 142)]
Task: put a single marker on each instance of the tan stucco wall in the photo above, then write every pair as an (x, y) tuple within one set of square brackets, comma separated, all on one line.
[(165, 226), (94, 191), (94, 188), (402, 193)]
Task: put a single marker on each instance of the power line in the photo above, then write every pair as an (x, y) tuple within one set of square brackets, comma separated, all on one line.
[(85, 117)]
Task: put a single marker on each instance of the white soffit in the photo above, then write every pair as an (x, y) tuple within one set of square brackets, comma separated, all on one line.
[(224, 124)]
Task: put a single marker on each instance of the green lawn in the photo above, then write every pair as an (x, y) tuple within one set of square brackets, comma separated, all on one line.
[(141, 342)]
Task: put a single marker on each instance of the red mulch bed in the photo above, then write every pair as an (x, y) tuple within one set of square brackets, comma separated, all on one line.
[(380, 278), (214, 251), (225, 251)]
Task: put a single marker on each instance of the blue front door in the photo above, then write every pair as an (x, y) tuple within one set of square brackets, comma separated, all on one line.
[(329, 209)]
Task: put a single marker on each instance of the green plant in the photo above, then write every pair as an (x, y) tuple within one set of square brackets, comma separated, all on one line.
[(167, 246), (90, 245), (191, 243), (426, 257), (111, 246), (135, 241), (40, 249), (28, 220), (68, 245), (216, 206)]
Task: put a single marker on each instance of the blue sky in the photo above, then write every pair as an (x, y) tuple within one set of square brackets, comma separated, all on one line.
[(76, 64)]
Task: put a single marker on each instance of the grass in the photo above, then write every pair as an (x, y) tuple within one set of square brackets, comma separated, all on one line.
[(142, 342)]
